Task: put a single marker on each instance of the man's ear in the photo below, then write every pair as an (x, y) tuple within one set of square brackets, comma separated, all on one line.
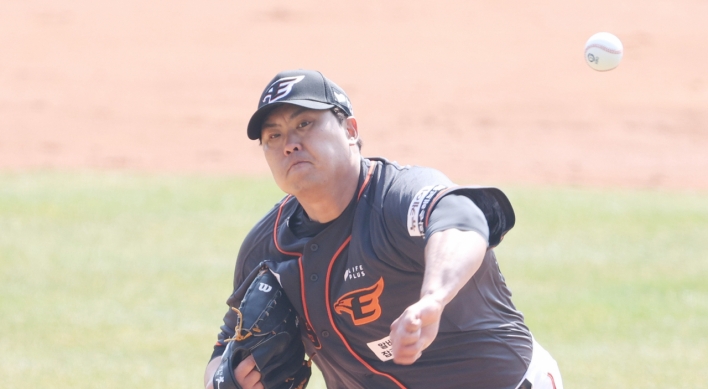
[(352, 130)]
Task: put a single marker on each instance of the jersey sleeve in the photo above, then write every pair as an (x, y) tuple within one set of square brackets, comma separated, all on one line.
[(459, 212), (423, 201), (403, 211), (495, 206)]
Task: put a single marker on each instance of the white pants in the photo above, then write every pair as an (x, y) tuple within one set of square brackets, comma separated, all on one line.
[(543, 371)]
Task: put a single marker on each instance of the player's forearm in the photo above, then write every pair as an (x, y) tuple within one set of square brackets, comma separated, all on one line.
[(209, 373), (452, 257)]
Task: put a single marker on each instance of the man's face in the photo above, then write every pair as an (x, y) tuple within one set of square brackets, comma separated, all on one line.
[(305, 149)]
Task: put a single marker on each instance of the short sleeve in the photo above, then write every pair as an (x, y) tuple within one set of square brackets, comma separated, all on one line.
[(404, 208), (493, 203), (411, 195), (424, 201), (459, 212)]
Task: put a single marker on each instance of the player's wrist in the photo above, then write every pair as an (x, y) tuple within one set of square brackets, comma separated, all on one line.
[(434, 298)]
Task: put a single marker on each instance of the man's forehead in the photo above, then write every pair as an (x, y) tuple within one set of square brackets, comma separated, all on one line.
[(290, 111)]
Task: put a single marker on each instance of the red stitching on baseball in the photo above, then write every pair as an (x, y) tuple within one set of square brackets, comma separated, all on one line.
[(601, 47)]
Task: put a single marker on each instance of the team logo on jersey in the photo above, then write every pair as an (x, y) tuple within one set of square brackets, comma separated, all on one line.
[(361, 304), (354, 272), (419, 207), (280, 89)]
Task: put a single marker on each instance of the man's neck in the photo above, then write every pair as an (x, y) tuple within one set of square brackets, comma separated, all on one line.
[(328, 202)]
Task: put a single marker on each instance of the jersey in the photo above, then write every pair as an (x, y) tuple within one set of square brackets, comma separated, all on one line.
[(351, 278)]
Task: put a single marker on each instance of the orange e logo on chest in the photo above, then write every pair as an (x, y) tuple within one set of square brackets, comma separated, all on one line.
[(361, 304)]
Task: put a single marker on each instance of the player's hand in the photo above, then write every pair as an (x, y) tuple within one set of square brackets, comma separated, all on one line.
[(247, 375), (415, 330)]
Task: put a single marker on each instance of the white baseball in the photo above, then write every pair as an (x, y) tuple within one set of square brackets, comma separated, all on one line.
[(603, 51)]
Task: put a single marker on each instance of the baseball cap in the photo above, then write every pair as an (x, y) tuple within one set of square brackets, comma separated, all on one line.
[(306, 88)]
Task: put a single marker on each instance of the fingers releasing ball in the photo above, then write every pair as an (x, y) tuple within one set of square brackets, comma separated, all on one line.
[(603, 51)]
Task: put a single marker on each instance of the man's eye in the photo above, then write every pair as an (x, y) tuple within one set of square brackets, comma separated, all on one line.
[(303, 124), (269, 137)]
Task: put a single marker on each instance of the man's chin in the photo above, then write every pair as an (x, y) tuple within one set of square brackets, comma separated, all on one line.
[(295, 184)]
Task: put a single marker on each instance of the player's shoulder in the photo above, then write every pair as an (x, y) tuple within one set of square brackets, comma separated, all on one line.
[(396, 187), (255, 246), (262, 231), (406, 180), (401, 174)]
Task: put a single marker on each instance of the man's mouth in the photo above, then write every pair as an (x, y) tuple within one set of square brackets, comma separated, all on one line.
[(296, 163)]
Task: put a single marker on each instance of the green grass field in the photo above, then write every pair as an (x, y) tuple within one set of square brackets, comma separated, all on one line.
[(119, 280)]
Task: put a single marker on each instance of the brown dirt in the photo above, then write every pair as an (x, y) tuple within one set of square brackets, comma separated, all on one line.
[(489, 92)]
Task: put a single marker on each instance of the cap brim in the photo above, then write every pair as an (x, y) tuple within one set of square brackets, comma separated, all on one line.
[(256, 122)]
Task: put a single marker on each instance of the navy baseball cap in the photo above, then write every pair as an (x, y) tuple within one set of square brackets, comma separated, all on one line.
[(306, 88)]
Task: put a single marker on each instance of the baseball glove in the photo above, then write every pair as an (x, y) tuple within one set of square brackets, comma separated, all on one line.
[(267, 328)]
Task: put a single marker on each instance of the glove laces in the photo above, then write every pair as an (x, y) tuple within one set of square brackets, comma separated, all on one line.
[(240, 333)]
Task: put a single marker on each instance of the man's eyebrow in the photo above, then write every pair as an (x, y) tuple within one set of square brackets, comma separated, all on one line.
[(292, 116)]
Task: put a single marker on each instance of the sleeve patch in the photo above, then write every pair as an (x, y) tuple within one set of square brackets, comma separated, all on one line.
[(418, 208)]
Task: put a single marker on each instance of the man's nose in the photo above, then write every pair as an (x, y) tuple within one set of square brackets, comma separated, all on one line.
[(292, 144)]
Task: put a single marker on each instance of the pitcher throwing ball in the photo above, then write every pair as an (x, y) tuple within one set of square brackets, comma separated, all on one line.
[(390, 269)]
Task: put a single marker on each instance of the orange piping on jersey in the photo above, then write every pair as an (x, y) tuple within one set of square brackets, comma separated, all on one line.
[(334, 326), (275, 229), (299, 261), (366, 180), (302, 280)]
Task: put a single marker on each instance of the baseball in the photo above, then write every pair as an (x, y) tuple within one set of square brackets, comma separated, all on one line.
[(603, 51)]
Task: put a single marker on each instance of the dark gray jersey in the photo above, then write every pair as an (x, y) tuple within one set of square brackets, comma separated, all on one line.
[(353, 277)]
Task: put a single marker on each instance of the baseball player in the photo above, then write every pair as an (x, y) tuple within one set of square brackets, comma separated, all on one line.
[(390, 268)]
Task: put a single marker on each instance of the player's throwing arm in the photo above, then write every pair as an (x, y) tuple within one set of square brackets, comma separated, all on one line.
[(451, 259)]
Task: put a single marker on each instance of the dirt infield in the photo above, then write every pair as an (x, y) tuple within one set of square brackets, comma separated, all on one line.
[(490, 92)]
